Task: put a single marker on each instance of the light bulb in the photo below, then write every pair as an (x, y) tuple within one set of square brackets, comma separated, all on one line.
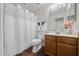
[(19, 6)]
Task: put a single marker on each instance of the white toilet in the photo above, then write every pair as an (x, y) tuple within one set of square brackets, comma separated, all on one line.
[(36, 45)]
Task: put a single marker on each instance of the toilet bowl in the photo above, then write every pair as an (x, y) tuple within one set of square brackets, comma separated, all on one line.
[(36, 45)]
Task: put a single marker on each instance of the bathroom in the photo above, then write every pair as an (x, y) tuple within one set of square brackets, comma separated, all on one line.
[(39, 29)]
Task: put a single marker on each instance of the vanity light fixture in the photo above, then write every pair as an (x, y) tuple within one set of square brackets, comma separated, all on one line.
[(56, 6)]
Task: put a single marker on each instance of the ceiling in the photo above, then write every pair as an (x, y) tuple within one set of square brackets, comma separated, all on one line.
[(40, 9), (31, 6), (35, 7)]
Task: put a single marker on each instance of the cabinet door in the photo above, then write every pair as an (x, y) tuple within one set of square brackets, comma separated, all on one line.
[(65, 49), (67, 40), (50, 47)]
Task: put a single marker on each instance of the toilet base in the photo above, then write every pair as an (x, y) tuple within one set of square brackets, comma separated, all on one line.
[(36, 48)]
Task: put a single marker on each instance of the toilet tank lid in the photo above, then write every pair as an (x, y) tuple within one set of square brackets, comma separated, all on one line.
[(36, 40)]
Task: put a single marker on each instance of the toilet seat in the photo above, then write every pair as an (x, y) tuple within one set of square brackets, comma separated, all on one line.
[(36, 40)]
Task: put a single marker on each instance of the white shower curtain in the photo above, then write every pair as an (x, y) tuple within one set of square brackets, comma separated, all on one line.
[(18, 29), (1, 27)]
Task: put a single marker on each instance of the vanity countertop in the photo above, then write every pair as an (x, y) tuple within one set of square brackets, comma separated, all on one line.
[(73, 36)]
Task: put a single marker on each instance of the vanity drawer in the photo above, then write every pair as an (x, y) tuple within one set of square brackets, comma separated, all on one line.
[(67, 40), (50, 37)]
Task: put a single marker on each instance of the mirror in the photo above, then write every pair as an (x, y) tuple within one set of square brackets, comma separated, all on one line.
[(59, 14)]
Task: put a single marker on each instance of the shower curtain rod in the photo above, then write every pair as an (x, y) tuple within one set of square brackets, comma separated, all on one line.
[(16, 5)]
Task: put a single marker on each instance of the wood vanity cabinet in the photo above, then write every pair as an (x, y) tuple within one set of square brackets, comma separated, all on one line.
[(50, 45), (65, 49), (66, 46), (60, 45)]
